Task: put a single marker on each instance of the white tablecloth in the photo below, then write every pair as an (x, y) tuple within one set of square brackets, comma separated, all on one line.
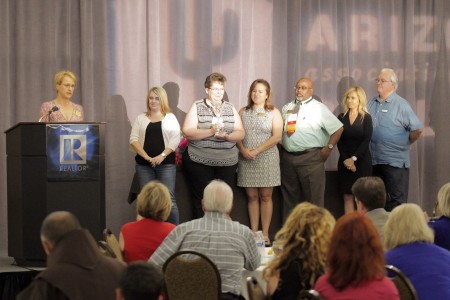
[(256, 273)]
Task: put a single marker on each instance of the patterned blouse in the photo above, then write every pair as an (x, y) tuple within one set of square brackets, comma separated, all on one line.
[(57, 116)]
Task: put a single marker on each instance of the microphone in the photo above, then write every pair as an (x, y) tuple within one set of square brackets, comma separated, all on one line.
[(54, 108)]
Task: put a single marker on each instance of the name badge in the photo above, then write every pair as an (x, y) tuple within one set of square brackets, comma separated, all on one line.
[(384, 110), (291, 122)]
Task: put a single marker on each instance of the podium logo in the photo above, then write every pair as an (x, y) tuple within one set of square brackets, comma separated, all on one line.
[(72, 149)]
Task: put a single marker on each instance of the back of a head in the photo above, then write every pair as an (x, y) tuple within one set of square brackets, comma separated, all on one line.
[(306, 236), (57, 224), (406, 224), (153, 202), (218, 197), (356, 254), (443, 201), (370, 191), (141, 281)]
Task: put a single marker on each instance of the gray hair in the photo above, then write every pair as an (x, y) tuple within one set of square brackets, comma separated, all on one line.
[(406, 224), (218, 196), (392, 76)]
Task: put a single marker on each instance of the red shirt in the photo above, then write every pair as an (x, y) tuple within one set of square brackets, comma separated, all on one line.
[(372, 290), (142, 238)]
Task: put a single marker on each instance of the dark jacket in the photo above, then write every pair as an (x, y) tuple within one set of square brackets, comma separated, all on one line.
[(75, 270)]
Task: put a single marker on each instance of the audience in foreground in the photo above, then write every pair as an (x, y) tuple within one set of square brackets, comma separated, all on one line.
[(230, 245), (140, 281), (75, 267), (304, 240), (355, 263), (138, 240), (409, 241), (441, 226), (370, 196)]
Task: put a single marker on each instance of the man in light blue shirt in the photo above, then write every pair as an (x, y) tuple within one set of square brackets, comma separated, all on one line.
[(310, 133), (395, 128)]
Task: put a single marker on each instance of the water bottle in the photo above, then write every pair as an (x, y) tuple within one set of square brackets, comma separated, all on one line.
[(260, 243)]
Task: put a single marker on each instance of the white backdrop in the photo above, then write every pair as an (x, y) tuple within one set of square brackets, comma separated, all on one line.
[(120, 49)]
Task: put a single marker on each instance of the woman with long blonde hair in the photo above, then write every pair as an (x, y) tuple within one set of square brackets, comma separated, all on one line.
[(355, 160)]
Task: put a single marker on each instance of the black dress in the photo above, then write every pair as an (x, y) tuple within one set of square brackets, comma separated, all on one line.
[(354, 141)]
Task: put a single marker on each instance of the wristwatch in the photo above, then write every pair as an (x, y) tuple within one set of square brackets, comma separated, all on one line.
[(330, 146), (163, 155)]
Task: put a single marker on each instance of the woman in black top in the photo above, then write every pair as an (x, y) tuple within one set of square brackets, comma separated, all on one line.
[(304, 240), (355, 160)]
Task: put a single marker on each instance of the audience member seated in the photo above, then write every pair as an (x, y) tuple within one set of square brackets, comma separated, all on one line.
[(409, 241), (441, 226), (140, 281), (75, 267), (304, 240), (355, 263), (230, 245), (370, 196), (138, 240)]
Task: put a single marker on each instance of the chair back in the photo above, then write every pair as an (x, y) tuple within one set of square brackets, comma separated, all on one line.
[(191, 275), (404, 286), (309, 294), (113, 243), (105, 249), (255, 291)]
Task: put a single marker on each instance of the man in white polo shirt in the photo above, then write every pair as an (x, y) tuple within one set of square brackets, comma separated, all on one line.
[(310, 133)]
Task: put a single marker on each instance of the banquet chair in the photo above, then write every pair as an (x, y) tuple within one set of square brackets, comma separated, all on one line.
[(191, 275), (105, 249), (255, 291), (404, 286), (113, 243), (309, 294)]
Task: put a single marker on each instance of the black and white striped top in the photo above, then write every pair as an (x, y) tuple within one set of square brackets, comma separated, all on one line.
[(211, 151)]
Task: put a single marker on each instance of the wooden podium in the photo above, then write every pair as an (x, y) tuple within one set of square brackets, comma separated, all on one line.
[(51, 167)]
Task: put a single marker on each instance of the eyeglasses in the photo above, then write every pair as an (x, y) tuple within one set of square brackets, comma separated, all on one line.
[(217, 90), (68, 85), (303, 88), (153, 98), (382, 81)]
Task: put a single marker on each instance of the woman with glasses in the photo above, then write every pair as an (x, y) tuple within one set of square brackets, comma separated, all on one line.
[(62, 109), (212, 127), (155, 136)]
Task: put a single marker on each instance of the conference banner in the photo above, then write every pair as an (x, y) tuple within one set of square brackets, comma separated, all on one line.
[(73, 152)]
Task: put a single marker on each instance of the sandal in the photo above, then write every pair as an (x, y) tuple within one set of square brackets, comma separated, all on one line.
[(267, 241)]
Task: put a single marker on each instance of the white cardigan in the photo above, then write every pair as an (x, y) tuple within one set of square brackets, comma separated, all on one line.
[(169, 126)]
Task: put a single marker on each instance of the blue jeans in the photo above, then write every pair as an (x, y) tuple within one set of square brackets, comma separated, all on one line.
[(167, 175)]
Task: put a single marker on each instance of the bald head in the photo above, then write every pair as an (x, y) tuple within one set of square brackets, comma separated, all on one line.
[(57, 224), (303, 88)]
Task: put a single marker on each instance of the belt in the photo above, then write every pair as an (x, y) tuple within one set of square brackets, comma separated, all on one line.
[(302, 152)]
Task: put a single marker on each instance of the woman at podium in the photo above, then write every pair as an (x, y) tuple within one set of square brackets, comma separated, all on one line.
[(155, 136), (62, 109)]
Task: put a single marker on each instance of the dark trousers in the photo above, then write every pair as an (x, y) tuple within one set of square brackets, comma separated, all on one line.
[(396, 181), (199, 176), (302, 179)]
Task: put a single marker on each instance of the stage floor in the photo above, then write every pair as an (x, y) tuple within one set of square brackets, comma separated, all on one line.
[(13, 278)]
